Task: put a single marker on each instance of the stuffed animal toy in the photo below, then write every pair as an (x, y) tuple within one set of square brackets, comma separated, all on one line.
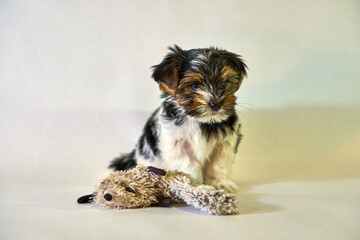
[(149, 186)]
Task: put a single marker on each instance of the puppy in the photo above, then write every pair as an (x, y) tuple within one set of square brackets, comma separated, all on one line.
[(196, 129)]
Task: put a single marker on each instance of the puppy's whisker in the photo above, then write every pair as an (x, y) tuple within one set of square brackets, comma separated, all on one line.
[(247, 108), (247, 104)]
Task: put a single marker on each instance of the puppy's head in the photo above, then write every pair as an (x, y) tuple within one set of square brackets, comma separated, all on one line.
[(202, 81)]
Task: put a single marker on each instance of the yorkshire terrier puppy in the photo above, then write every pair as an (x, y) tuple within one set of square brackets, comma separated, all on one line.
[(196, 129)]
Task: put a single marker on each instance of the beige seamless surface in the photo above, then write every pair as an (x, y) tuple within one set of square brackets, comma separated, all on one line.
[(298, 170)]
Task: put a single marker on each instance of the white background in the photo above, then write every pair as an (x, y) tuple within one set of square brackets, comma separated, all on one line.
[(98, 54)]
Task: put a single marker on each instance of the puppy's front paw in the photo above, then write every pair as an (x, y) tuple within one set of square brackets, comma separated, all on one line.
[(227, 185)]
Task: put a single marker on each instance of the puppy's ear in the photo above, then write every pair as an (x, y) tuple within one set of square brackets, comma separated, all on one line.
[(166, 74), (241, 67), (236, 63)]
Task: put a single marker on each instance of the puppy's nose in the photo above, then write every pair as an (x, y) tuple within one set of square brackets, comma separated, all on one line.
[(214, 106)]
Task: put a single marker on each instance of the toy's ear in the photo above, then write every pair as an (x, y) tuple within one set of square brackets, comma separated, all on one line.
[(130, 189), (86, 198), (157, 171), (166, 74)]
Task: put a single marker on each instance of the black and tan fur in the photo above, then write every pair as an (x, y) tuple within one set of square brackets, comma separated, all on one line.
[(197, 118)]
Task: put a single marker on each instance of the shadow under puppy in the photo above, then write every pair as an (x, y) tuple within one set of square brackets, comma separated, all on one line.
[(196, 129), (149, 186)]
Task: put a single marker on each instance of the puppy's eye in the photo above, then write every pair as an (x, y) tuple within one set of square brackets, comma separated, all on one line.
[(194, 86), (129, 189)]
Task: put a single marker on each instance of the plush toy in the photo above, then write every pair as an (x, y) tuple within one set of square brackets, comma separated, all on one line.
[(148, 186)]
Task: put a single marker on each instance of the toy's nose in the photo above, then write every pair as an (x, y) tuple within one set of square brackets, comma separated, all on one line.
[(107, 197)]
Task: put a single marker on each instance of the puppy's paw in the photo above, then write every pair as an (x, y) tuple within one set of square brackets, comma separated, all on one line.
[(226, 185)]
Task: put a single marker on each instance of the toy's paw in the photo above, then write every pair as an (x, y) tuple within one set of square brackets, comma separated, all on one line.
[(227, 185), (227, 204)]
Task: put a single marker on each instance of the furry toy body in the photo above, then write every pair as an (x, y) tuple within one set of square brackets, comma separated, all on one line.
[(196, 129), (148, 186)]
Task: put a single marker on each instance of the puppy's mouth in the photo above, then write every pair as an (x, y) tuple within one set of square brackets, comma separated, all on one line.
[(206, 113), (213, 117)]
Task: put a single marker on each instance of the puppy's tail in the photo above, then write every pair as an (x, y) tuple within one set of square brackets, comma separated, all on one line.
[(124, 162)]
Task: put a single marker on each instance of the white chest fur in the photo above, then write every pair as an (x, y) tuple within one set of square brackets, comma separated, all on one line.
[(183, 147)]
